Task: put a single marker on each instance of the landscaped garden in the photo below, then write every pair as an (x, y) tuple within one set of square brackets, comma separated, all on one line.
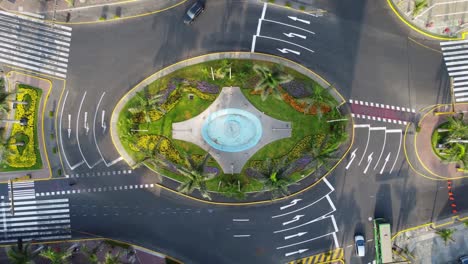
[(318, 128), (20, 148), (450, 141)]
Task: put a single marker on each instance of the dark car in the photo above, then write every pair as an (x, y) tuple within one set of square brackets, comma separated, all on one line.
[(463, 260), (196, 9)]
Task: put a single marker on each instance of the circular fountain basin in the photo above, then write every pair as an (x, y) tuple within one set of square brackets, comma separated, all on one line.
[(232, 130)]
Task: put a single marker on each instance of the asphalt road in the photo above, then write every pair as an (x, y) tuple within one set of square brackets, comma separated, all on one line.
[(358, 46)]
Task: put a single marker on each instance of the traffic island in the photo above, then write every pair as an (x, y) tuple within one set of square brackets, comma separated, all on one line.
[(183, 124), (438, 154)]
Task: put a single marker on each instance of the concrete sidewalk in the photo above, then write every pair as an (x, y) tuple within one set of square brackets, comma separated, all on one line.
[(423, 245), (438, 17), (86, 11)]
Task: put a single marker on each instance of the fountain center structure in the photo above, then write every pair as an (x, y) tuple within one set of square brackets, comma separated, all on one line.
[(231, 129)]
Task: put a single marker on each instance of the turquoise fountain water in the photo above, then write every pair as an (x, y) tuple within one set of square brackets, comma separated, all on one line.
[(232, 130)]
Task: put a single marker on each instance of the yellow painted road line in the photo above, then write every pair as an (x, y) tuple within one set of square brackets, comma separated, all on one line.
[(424, 46)]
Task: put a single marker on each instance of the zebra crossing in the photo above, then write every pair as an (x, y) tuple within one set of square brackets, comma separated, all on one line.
[(31, 218), (32, 44), (456, 59)]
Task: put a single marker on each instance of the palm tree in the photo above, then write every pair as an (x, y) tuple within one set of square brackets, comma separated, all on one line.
[(91, 254), (21, 254), (275, 177), (56, 256), (112, 259), (324, 153), (446, 235), (457, 129), (270, 81), (317, 98), (144, 105), (196, 176)]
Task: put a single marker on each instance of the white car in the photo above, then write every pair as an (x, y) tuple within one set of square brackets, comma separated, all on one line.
[(360, 245)]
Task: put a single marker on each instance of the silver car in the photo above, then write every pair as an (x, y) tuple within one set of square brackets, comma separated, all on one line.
[(360, 245)]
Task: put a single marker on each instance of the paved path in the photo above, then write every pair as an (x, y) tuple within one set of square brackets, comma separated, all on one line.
[(88, 10)]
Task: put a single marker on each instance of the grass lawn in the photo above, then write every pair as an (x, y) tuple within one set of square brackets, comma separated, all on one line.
[(27, 157), (243, 76)]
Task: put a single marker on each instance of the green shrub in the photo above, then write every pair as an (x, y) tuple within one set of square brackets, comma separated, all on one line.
[(51, 114), (271, 1), (59, 172), (54, 150), (52, 136), (302, 7), (116, 16), (102, 18), (288, 4)]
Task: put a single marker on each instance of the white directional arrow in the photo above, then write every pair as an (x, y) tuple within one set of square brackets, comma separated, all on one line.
[(300, 20), (295, 219), (296, 252), (289, 51), (69, 126), (292, 35), (103, 123), (87, 129), (386, 160), (369, 161), (353, 156), (295, 235), (293, 202)]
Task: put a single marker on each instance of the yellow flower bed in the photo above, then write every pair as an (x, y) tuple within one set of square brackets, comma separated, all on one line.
[(28, 158)]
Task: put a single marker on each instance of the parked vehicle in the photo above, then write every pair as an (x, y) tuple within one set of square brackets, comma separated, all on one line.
[(463, 260)]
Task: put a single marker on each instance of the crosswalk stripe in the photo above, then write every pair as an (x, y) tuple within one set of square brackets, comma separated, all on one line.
[(33, 68), (455, 47), (30, 43), (22, 229), (41, 27), (41, 217), (456, 63), (58, 221), (35, 207), (32, 36), (20, 54), (457, 68), (446, 43), (38, 238), (460, 94), (464, 99), (458, 73), (460, 78), (33, 63), (24, 198), (43, 212), (36, 233), (459, 83), (460, 89), (26, 183), (35, 31), (450, 53), (456, 58), (65, 200), (30, 51), (33, 20)]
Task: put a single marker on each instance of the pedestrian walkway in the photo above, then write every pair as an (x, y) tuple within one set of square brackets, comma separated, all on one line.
[(456, 59), (325, 257), (24, 216), (381, 112), (34, 45)]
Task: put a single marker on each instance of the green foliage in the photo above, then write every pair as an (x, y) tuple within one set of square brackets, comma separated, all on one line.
[(419, 6), (56, 256), (21, 253), (51, 114), (113, 244), (302, 8), (270, 80), (446, 235), (288, 4), (102, 18)]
